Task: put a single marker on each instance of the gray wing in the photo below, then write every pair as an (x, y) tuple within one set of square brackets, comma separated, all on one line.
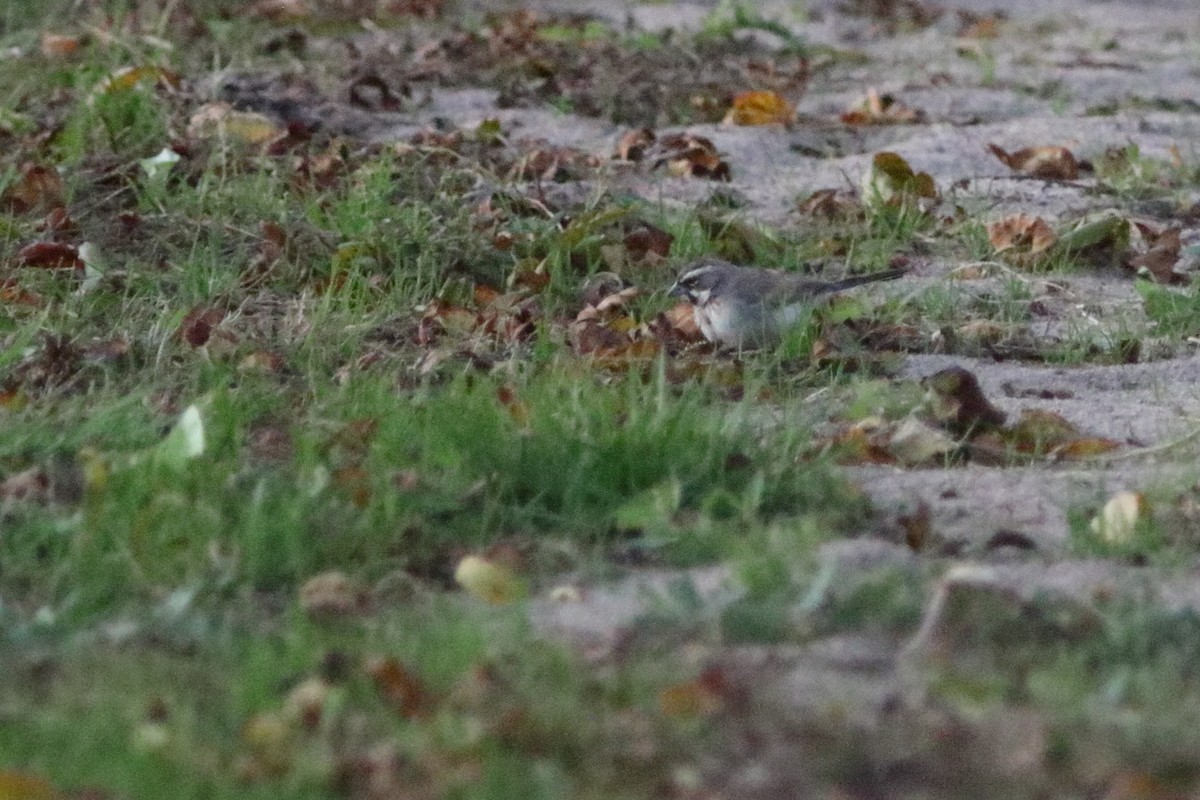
[(799, 290)]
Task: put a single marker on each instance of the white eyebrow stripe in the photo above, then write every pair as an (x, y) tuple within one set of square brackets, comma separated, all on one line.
[(693, 274)]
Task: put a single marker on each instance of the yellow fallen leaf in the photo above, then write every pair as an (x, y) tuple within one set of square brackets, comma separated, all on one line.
[(760, 108), (128, 77), (221, 120), (488, 581), (891, 181)]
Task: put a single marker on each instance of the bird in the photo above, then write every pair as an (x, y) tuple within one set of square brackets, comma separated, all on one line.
[(752, 307)]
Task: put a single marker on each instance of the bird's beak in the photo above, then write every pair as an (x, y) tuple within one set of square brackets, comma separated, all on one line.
[(676, 291)]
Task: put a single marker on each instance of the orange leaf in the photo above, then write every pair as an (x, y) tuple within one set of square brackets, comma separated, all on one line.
[(39, 187), (11, 293), (760, 108), (1022, 238), (19, 786), (402, 690)]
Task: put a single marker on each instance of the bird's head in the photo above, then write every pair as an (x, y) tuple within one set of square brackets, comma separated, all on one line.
[(699, 282)]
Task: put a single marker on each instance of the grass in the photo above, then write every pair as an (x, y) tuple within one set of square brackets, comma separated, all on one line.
[(152, 607)]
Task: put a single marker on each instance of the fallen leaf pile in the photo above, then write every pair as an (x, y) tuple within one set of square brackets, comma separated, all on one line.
[(1029, 243), (958, 421)]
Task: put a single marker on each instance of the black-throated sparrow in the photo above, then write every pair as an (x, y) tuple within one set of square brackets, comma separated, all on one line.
[(751, 307)]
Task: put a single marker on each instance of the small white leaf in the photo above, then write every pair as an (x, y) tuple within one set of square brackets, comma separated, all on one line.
[(161, 164), (186, 439), (1117, 521)]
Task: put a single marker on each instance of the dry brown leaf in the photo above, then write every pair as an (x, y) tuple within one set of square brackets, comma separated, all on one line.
[(1158, 262), (262, 362), (891, 181), (1048, 162), (917, 526), (687, 700), (830, 203), (682, 318), (1022, 239), (531, 274), (982, 331), (707, 694), (314, 170), (865, 442), (332, 594), (881, 109), (355, 483), (634, 143), (646, 239), (399, 687), (11, 293), (516, 408), (685, 154), (57, 45), (760, 108), (58, 223), (198, 325), (39, 188), (49, 255), (553, 164)]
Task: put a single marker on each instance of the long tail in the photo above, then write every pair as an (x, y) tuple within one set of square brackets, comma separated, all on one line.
[(825, 287)]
